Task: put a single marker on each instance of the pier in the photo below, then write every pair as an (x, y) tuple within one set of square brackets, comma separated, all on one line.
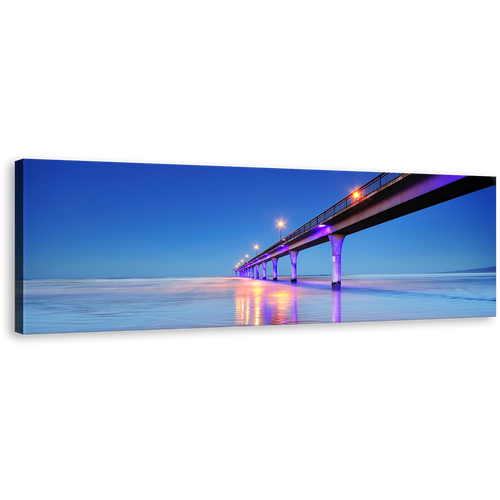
[(386, 197)]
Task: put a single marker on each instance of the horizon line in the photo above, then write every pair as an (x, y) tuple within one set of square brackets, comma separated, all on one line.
[(489, 269)]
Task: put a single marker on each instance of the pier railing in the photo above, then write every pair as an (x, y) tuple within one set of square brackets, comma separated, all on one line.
[(364, 190)]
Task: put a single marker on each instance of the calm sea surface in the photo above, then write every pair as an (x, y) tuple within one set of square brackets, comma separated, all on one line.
[(53, 306)]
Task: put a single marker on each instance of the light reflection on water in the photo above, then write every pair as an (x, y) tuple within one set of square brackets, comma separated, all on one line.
[(260, 303), (278, 303), (157, 303)]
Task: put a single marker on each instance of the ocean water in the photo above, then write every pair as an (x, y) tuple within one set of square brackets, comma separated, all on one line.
[(87, 305)]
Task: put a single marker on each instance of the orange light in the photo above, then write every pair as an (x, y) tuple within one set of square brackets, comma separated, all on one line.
[(280, 224), (356, 194)]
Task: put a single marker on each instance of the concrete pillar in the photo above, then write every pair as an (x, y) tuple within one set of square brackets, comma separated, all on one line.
[(252, 272), (236, 273), (293, 258), (257, 271), (264, 266), (336, 240), (275, 269)]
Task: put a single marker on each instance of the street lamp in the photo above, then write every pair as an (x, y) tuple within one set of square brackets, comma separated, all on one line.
[(256, 248)]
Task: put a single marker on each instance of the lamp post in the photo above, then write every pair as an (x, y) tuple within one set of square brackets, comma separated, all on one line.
[(256, 248), (280, 224)]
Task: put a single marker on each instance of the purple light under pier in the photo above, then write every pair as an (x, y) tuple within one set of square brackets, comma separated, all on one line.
[(293, 259), (336, 240), (275, 269)]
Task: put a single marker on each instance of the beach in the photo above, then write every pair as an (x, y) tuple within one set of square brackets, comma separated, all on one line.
[(92, 305)]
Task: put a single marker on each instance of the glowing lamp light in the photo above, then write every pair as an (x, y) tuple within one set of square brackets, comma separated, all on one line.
[(356, 194), (280, 225), (321, 225)]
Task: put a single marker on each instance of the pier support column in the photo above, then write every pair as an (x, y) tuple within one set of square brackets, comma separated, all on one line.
[(257, 271), (252, 272), (275, 269), (336, 240), (264, 266), (293, 258)]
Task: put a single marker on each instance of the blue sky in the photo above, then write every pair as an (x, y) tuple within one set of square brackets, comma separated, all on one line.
[(112, 220)]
